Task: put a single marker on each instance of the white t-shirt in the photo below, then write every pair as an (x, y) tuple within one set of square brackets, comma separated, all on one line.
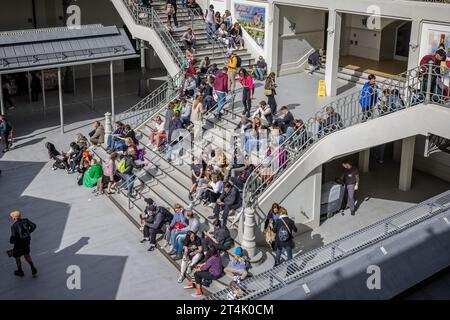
[(217, 187), (159, 127)]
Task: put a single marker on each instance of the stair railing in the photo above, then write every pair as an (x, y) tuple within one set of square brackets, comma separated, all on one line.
[(423, 84)]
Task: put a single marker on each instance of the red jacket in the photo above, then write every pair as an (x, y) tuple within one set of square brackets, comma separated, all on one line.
[(221, 82)]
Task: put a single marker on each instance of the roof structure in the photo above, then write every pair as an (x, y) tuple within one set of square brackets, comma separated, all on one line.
[(37, 49)]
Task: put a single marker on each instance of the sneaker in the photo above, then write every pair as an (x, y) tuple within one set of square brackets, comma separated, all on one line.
[(177, 257), (211, 205), (197, 295), (33, 271), (152, 247), (213, 217), (144, 240), (172, 252), (180, 279), (190, 285), (191, 198), (19, 273)]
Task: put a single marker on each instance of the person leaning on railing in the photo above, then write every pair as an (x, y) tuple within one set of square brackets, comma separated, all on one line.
[(435, 61), (369, 97), (331, 123)]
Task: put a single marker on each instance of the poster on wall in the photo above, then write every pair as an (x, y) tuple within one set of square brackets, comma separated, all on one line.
[(435, 37), (252, 19)]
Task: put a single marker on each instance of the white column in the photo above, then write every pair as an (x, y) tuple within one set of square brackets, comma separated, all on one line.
[(272, 52), (44, 101), (406, 163), (413, 56), (364, 160), (91, 76), (61, 112), (108, 125), (332, 51), (142, 55), (249, 238), (2, 103), (111, 69), (317, 197)]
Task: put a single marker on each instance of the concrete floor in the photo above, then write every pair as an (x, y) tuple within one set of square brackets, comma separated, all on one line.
[(74, 228), (378, 198)]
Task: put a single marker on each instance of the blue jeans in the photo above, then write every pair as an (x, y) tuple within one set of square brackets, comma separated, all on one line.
[(111, 141), (289, 132), (221, 103), (279, 250), (210, 30), (130, 182), (313, 68), (175, 235), (178, 244), (259, 73), (185, 120)]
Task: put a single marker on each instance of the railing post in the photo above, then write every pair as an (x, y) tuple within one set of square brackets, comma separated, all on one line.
[(249, 238), (429, 77), (108, 125)]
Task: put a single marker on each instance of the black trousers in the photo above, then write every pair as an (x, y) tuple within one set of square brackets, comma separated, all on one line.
[(226, 210), (272, 103), (246, 100), (152, 233), (203, 275), (212, 197)]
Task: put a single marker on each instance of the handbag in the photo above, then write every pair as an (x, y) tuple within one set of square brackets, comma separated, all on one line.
[(179, 225), (267, 92), (270, 234)]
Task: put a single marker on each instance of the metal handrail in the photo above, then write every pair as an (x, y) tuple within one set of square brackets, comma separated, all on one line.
[(421, 84), (152, 103), (326, 255), (148, 17)]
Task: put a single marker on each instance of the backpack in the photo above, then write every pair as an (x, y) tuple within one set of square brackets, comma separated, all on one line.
[(122, 165), (284, 234), (238, 61), (167, 215), (140, 154)]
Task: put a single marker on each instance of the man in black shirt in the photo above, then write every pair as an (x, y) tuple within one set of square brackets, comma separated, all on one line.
[(286, 120), (21, 237), (350, 178)]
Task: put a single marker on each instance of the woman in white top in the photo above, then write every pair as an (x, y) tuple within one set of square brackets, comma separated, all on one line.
[(215, 189), (264, 113), (158, 133), (197, 112)]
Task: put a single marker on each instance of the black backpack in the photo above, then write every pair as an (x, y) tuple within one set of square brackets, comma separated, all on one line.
[(238, 61), (284, 234), (167, 215)]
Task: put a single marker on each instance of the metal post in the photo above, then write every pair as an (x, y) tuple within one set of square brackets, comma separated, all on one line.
[(429, 76), (44, 101), (2, 103), (61, 114), (29, 86), (74, 81), (92, 85), (111, 69)]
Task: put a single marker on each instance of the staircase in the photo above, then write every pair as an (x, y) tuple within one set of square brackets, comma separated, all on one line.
[(163, 181)]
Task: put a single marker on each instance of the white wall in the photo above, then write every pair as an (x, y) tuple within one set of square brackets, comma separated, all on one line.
[(294, 45)]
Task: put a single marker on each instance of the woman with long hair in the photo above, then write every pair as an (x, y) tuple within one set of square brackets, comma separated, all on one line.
[(270, 92), (197, 112), (247, 92)]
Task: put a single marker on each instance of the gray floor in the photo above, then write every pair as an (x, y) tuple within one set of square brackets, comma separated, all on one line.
[(74, 228)]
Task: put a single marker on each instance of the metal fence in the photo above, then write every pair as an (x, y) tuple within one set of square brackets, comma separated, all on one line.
[(424, 84), (309, 262)]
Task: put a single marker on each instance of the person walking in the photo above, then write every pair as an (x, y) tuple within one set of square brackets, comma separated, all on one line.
[(270, 92), (21, 238), (283, 228), (174, 12), (6, 88), (247, 84), (5, 132), (221, 89), (210, 25), (233, 65), (350, 179), (369, 97)]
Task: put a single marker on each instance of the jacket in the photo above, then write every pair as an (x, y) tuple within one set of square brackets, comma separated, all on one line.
[(158, 221), (292, 228), (174, 124), (90, 177), (21, 231), (130, 164), (233, 198), (221, 82), (213, 265), (99, 134), (369, 96)]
